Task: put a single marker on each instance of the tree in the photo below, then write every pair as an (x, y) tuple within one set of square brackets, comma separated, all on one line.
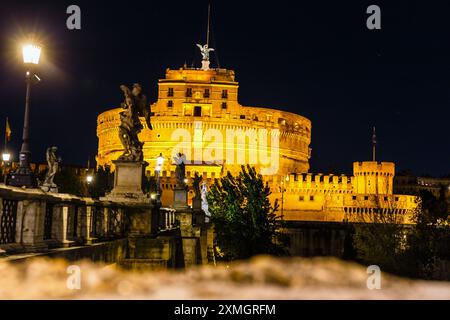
[(102, 182), (408, 250), (244, 219), (69, 181)]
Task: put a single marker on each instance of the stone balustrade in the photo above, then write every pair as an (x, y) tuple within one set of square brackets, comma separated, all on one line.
[(34, 221)]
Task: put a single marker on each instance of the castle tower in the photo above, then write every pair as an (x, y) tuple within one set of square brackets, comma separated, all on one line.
[(372, 177)]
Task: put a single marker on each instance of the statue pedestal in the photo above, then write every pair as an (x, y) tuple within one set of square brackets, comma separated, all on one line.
[(196, 204), (128, 179), (49, 188), (180, 198), (205, 65)]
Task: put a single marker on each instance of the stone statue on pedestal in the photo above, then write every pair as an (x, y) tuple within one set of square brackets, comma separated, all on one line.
[(135, 106), (196, 186), (180, 171), (205, 207), (204, 50), (52, 168)]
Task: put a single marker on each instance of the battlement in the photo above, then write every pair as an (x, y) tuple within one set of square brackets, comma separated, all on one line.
[(199, 75), (317, 182), (373, 167)]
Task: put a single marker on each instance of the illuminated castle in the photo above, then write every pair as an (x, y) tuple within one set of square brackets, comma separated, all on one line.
[(197, 112)]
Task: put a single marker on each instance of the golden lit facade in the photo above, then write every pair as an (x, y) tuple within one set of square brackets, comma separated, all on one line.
[(197, 109)]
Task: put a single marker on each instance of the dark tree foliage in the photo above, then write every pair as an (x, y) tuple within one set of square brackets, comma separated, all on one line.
[(412, 250), (102, 182), (69, 181), (244, 219), (149, 184)]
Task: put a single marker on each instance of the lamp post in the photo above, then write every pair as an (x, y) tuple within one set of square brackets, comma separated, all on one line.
[(159, 165), (282, 195), (6, 157), (23, 176)]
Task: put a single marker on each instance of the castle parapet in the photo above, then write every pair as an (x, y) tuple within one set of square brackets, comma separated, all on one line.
[(373, 177)]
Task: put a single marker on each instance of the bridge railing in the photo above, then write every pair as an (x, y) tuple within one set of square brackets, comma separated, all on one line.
[(32, 220), (167, 219)]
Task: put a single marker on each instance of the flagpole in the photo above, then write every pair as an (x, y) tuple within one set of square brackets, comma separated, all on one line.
[(374, 145), (6, 137)]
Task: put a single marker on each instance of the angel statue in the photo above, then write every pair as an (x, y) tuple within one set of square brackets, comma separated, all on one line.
[(204, 50), (52, 168), (180, 170), (204, 197), (196, 186), (135, 106)]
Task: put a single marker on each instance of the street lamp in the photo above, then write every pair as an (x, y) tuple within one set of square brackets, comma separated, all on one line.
[(6, 157), (89, 179), (23, 176), (159, 165), (282, 195)]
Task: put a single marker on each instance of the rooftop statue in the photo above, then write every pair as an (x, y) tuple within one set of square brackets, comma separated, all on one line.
[(204, 50), (135, 106)]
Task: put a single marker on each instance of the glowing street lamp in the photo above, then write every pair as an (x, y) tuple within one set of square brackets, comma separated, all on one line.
[(23, 176), (282, 195), (31, 54), (159, 165), (6, 156), (89, 179)]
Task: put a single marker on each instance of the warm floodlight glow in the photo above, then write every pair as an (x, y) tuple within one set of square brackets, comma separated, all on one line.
[(89, 179), (153, 196), (31, 53), (6, 156)]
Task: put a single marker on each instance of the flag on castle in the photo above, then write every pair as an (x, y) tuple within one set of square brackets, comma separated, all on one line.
[(8, 131)]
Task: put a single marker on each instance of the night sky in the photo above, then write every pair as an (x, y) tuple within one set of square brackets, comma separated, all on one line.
[(314, 58)]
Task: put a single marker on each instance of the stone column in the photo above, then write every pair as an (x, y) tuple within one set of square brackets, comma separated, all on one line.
[(30, 225), (142, 220), (60, 223)]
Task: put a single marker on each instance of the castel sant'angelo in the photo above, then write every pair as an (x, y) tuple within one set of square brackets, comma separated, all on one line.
[(198, 114)]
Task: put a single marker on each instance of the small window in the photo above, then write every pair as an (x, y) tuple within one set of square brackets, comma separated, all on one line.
[(301, 198), (281, 121), (224, 105), (385, 198), (354, 198), (197, 111), (242, 116), (170, 104), (189, 92), (170, 92), (311, 198), (396, 198), (206, 94), (224, 94), (366, 198)]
